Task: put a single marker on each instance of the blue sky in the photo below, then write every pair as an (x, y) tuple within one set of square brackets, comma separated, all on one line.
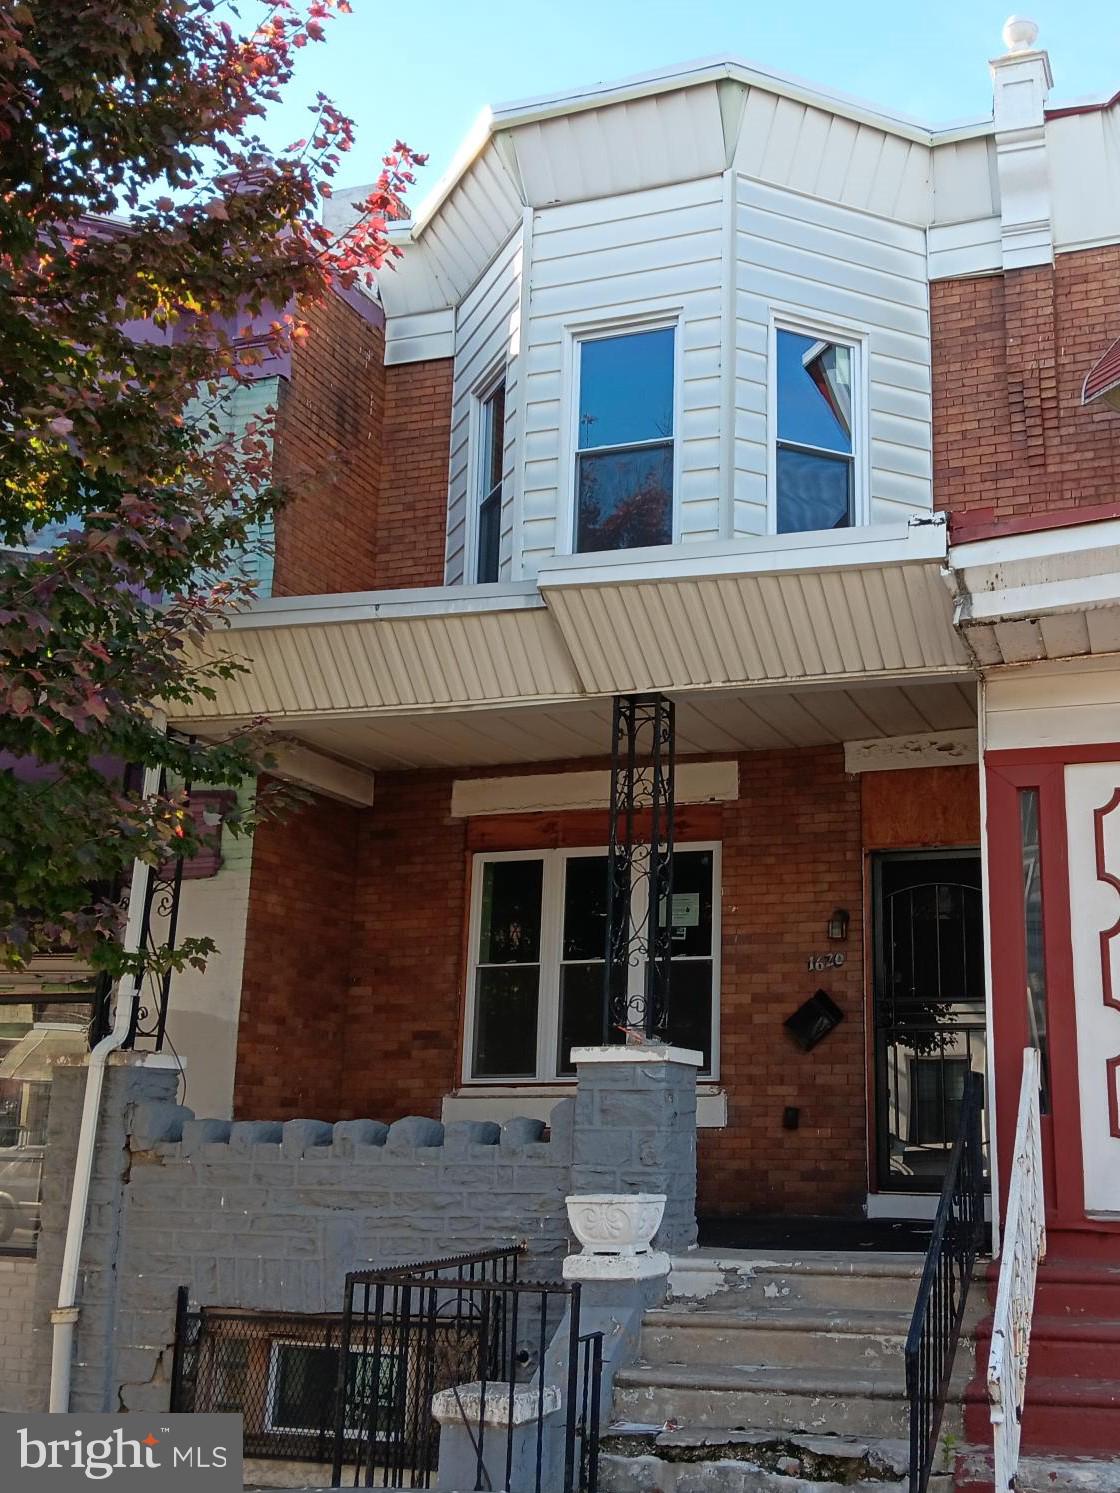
[(422, 71)]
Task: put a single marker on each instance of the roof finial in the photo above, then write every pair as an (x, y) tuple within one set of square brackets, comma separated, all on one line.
[(1019, 34)]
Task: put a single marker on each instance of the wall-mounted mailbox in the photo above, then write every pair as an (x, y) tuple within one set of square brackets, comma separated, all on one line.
[(814, 1020)]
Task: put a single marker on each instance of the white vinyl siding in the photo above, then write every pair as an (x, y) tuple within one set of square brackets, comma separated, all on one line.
[(484, 346), (811, 151), (851, 272), (650, 253)]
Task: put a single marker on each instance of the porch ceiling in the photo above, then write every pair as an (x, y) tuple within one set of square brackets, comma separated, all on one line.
[(772, 643), (716, 721)]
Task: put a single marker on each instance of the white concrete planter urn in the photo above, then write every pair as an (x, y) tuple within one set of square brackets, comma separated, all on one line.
[(615, 1223)]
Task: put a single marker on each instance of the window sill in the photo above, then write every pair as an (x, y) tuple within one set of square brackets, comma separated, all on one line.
[(537, 1100)]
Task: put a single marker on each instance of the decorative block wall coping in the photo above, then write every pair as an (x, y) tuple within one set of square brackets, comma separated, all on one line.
[(654, 1052), (173, 1130)]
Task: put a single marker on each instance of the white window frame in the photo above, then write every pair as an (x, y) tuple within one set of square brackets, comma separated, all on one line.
[(805, 324), (551, 948), (481, 393), (272, 1392), (567, 516)]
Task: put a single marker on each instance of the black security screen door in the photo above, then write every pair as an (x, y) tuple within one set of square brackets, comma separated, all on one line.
[(929, 1009)]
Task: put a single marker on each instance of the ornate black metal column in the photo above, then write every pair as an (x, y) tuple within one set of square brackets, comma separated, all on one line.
[(639, 869), (152, 989)]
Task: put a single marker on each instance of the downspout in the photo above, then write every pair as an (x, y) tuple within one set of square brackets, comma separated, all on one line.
[(64, 1318), (962, 610)]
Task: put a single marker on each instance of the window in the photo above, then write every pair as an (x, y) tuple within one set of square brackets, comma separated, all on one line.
[(538, 936), (301, 1389), (624, 444), (936, 1095), (815, 458), (491, 445)]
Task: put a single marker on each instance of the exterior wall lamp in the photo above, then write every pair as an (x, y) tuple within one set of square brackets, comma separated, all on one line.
[(838, 925)]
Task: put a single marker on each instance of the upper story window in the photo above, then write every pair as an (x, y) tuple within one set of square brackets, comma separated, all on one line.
[(491, 446), (624, 445), (816, 459)]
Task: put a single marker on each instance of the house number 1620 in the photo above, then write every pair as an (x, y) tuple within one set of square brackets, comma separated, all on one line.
[(826, 961)]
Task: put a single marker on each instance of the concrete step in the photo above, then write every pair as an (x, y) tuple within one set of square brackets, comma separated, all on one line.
[(1042, 1472), (715, 1280), (774, 1333), (643, 1459), (652, 1475), (780, 1397)]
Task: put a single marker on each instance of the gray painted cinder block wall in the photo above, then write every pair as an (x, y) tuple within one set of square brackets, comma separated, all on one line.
[(17, 1299), (271, 1216), (634, 1130), (126, 1088)]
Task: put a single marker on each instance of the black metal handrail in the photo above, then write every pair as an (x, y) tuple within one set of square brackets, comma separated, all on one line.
[(469, 1332), (935, 1328)]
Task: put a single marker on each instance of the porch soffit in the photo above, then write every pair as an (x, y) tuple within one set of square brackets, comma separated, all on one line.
[(1050, 594), (782, 612), (763, 718), (867, 604)]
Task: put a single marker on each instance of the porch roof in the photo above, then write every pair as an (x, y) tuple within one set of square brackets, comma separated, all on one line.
[(1051, 593), (765, 643)]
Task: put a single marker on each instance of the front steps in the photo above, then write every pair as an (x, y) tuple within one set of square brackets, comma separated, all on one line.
[(1071, 1419), (773, 1373)]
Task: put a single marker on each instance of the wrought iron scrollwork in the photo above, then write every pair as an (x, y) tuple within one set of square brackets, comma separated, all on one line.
[(152, 989), (639, 869)]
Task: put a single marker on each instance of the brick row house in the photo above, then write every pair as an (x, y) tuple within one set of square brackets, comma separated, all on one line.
[(716, 387)]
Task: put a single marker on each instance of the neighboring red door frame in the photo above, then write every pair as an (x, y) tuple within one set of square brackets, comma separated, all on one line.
[(1007, 773)]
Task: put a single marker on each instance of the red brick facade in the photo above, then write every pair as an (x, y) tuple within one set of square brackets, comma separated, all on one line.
[(791, 855), (356, 954), (1011, 441), (412, 523), (298, 962), (362, 452), (328, 455)]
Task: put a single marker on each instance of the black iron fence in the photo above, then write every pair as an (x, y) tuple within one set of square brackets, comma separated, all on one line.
[(461, 1345), (466, 1348), (935, 1329), (278, 1371)]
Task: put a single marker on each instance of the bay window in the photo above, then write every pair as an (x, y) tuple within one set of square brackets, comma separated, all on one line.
[(488, 496), (815, 459), (537, 947), (624, 440)]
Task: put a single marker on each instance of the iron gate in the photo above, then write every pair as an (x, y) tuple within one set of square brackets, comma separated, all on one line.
[(482, 1343)]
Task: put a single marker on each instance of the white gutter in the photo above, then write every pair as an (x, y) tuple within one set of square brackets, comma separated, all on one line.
[(64, 1318)]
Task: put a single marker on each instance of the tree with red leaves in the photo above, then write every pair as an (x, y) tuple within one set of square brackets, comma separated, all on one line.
[(151, 250)]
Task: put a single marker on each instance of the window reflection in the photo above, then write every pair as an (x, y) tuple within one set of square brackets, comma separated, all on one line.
[(624, 465), (815, 444)]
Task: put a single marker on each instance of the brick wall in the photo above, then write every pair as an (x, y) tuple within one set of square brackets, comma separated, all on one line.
[(791, 854), (298, 962), (328, 454), (17, 1298), (409, 903), (1011, 442), (412, 522)]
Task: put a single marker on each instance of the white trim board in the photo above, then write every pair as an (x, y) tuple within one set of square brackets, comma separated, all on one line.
[(536, 1102), (923, 749), (696, 782)]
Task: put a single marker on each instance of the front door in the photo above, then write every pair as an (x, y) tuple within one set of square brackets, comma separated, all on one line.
[(929, 1020)]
